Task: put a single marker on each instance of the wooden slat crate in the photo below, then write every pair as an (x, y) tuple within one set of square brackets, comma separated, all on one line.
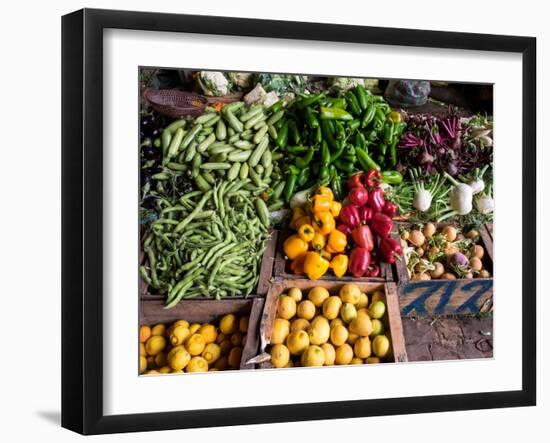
[(152, 312), (446, 297), (266, 271), (392, 318), (282, 267)]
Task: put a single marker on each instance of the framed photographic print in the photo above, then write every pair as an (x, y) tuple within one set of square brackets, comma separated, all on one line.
[(271, 221)]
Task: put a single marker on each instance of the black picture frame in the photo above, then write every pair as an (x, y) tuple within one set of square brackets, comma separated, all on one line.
[(82, 218)]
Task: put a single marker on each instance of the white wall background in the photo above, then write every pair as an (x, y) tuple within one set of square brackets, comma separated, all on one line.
[(30, 217)]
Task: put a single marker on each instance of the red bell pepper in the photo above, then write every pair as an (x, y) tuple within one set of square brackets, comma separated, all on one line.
[(376, 199), (365, 214), (373, 271), (358, 196), (373, 178), (356, 180), (359, 261), (350, 216), (346, 230), (390, 209), (390, 250), (362, 236), (381, 224)]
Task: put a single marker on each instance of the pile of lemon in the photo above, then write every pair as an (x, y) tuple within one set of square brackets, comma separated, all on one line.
[(325, 329), (196, 347)]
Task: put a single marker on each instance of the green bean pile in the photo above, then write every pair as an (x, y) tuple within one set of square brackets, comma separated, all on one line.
[(207, 243)]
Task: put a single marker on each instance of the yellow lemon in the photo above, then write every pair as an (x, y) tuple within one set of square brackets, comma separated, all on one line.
[(286, 308), (377, 296), (338, 335), (363, 301), (363, 311), (160, 359), (221, 363), (142, 350), (362, 347), (152, 372), (350, 293), (281, 329), (377, 309), (142, 364), (352, 338), (144, 333), (299, 324), (336, 321), (319, 331), (331, 307), (318, 295), (234, 357), (306, 310), (183, 323), (155, 344), (330, 353), (381, 346), (195, 344), (297, 342), (211, 353), (228, 324), (197, 364), (356, 361), (225, 347), (159, 329), (165, 370), (178, 358), (361, 325), (296, 294), (313, 356), (344, 354), (280, 356), (348, 312), (178, 335), (208, 332), (372, 360), (194, 328), (377, 328), (243, 324)]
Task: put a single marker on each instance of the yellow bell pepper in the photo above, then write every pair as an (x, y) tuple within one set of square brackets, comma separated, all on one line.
[(297, 265), (324, 222), (303, 220), (294, 246), (326, 254), (306, 232), (321, 203), (296, 214), (327, 192), (337, 241), (315, 266), (335, 209), (339, 265), (319, 241)]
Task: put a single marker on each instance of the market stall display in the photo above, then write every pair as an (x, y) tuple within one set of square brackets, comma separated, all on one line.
[(275, 188)]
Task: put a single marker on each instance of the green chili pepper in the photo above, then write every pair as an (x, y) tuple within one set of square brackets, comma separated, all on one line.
[(379, 113), (336, 186), (298, 149), (303, 177), (323, 172), (368, 116), (365, 159), (382, 148), (362, 96), (350, 150), (334, 114), (294, 133), (325, 154), (311, 120), (327, 131), (337, 153), (335, 102), (282, 136), (393, 152), (276, 107), (310, 100), (388, 132), (318, 135), (353, 104), (340, 131), (354, 124), (289, 187), (344, 165), (302, 162)]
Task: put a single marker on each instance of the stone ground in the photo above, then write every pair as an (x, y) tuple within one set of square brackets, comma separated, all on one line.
[(448, 338)]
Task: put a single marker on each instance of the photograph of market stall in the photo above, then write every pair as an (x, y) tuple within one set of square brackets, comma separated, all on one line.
[(293, 220)]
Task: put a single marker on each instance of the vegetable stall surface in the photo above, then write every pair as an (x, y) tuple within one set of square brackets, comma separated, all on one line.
[(192, 347)]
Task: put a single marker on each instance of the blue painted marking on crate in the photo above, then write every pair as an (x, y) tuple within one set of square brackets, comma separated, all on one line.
[(471, 303), (448, 291), (419, 304)]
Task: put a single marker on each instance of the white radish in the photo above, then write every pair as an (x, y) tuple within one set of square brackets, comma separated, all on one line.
[(461, 198)]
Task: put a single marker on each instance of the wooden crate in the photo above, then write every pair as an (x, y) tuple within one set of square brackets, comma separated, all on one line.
[(392, 317), (152, 312), (266, 271), (446, 297), (281, 269)]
